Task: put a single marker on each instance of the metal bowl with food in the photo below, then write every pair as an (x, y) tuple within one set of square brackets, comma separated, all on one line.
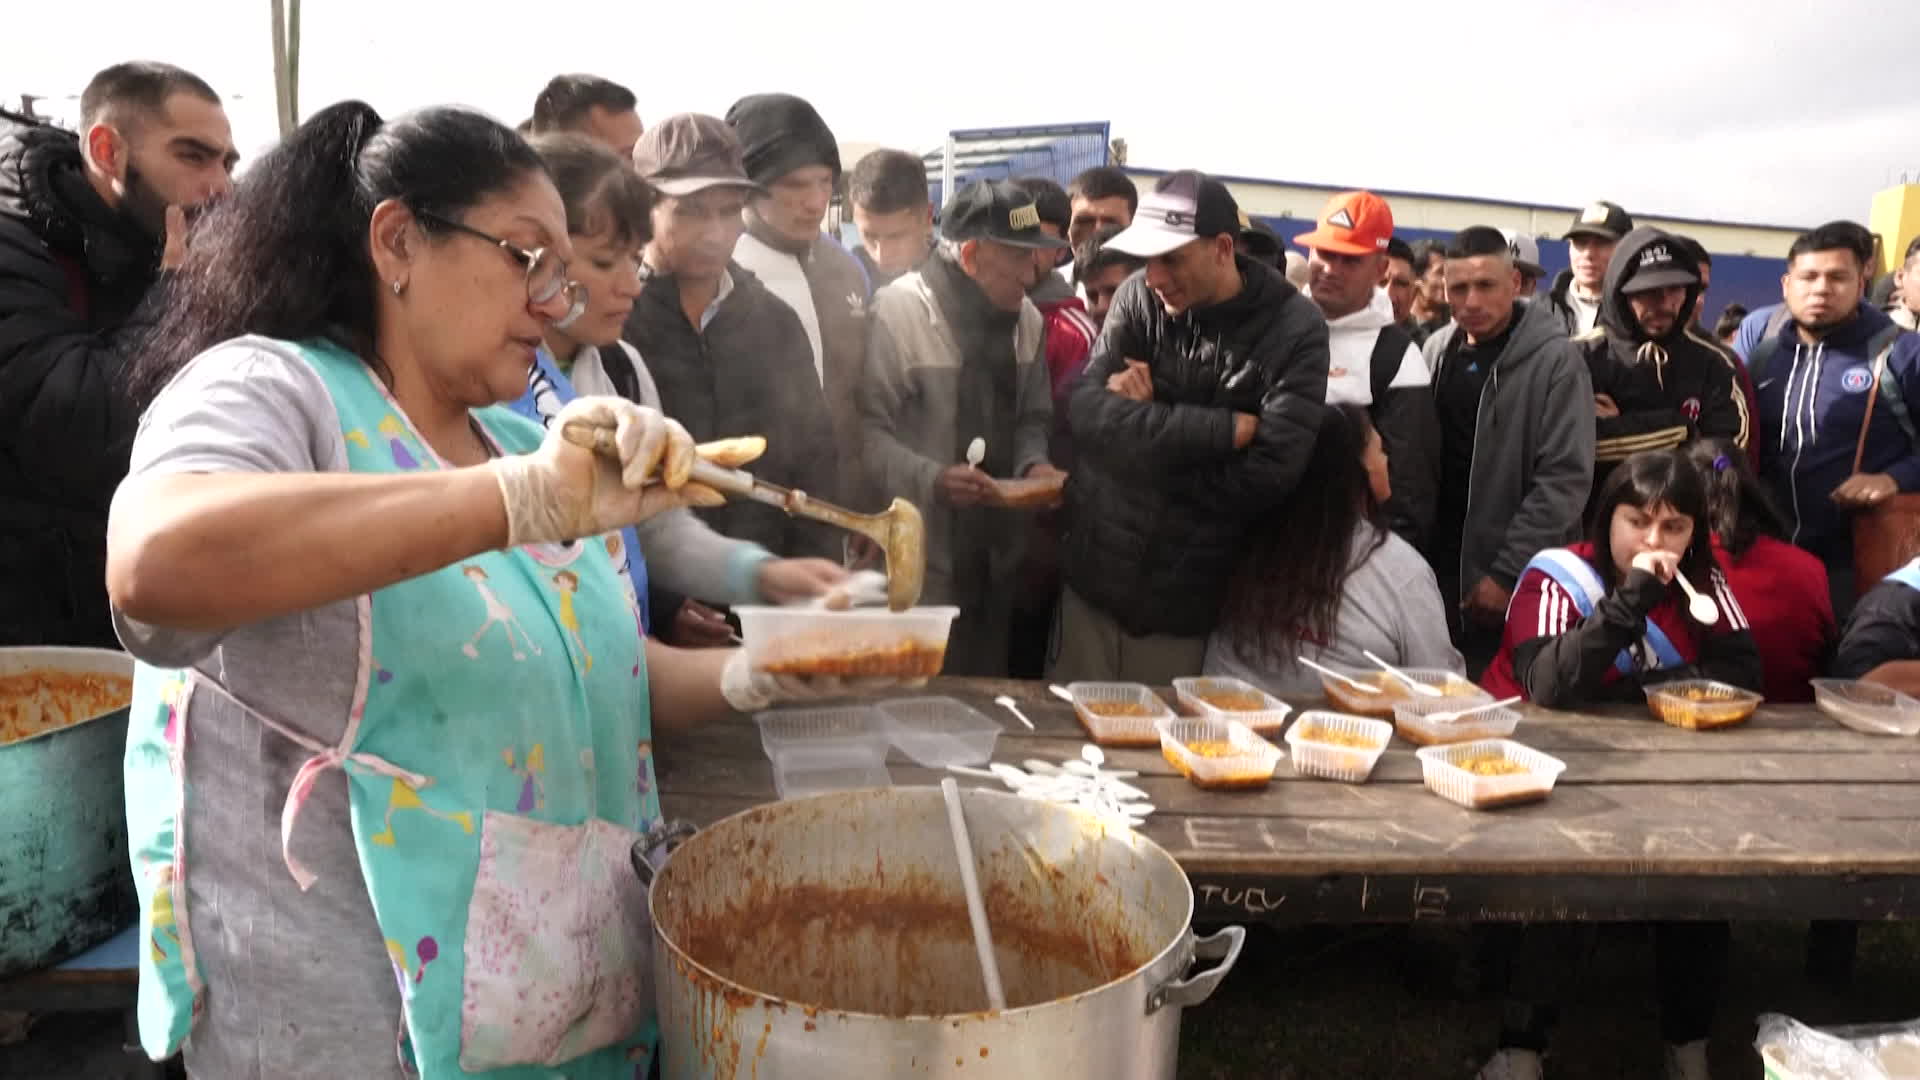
[(63, 737), (829, 938)]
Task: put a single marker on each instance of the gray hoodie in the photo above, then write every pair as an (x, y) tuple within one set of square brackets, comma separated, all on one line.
[(1532, 447)]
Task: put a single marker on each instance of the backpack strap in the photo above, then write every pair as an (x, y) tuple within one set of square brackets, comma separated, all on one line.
[(1389, 352), (1881, 349), (1577, 578), (1768, 344)]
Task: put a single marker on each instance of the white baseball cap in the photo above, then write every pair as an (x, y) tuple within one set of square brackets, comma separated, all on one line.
[(1525, 251)]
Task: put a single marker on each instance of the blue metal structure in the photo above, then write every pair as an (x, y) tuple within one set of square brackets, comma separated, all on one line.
[(1058, 151)]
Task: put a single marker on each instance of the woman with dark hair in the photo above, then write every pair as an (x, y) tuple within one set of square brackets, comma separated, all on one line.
[(1325, 579), (1595, 623), (609, 219), (1781, 588), (361, 590), (1598, 621)]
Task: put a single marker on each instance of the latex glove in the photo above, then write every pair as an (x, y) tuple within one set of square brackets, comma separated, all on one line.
[(562, 492), (788, 581), (750, 691)]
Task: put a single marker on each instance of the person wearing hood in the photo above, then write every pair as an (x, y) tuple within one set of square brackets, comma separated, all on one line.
[(1516, 436), (86, 226), (1835, 377), (1195, 418), (1373, 360), (955, 398), (1579, 289), (728, 356), (1657, 382)]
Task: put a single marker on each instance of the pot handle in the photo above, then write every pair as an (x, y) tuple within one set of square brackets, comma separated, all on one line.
[(1224, 946), (663, 836)]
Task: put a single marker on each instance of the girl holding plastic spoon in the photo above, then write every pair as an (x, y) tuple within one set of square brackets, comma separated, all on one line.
[(1598, 621)]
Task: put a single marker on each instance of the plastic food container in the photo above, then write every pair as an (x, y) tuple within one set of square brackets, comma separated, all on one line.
[(1700, 704), (1410, 719), (1118, 714), (939, 731), (1332, 761), (859, 642), (837, 748), (1219, 755), (1449, 773), (801, 780), (1868, 707), (1220, 698), (1346, 699)]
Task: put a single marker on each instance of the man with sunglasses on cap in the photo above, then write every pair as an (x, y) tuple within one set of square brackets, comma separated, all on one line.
[(955, 401), (729, 357), (1578, 291), (1195, 417)]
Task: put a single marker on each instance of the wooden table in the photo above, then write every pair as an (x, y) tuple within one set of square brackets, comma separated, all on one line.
[(1789, 816)]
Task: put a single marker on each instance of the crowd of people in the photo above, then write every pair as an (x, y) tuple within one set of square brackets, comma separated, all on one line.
[(294, 440)]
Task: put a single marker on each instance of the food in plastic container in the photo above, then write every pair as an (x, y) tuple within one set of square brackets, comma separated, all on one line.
[(1701, 704), (1868, 707), (1223, 698), (1337, 747), (1118, 714), (1219, 755), (1346, 699), (940, 731), (1410, 719), (1488, 774), (859, 642)]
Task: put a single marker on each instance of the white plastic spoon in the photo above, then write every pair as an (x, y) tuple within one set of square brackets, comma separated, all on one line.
[(976, 452), (1330, 673), (1413, 684), (1061, 692), (1701, 607), (1007, 703), (976, 910), (1450, 717)]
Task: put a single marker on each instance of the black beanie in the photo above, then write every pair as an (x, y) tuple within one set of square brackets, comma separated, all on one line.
[(781, 133)]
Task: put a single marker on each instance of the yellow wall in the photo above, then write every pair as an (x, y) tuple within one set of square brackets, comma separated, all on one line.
[(1896, 219), (1442, 213)]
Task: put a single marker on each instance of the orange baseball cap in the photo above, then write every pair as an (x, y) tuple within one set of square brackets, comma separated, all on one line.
[(1353, 223)]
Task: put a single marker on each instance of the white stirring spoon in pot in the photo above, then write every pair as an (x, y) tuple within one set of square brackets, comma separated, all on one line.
[(1332, 674), (1699, 605), (1412, 683)]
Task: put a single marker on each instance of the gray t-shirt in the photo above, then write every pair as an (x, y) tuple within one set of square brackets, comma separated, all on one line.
[(1390, 605), (297, 984)]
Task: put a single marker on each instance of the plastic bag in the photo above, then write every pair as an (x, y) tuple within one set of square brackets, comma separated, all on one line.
[(1791, 1050)]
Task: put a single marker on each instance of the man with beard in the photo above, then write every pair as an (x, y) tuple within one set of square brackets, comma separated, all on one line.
[(86, 225)]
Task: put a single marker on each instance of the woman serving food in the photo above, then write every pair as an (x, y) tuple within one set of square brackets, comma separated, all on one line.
[(365, 594)]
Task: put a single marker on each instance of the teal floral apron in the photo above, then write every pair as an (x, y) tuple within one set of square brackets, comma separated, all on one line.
[(499, 771)]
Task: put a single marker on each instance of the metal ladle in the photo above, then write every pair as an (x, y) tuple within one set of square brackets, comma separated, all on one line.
[(899, 530)]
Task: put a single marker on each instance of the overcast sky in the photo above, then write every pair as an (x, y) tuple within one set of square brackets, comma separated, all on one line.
[(1773, 111)]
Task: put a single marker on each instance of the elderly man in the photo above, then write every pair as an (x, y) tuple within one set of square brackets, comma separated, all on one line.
[(86, 224), (956, 362)]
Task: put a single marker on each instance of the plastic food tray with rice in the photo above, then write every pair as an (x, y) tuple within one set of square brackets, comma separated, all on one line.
[(1868, 707), (1335, 746), (833, 748), (862, 642), (940, 731), (1118, 714), (1414, 719), (1353, 702), (1219, 755), (1221, 698), (1701, 704), (1488, 774)]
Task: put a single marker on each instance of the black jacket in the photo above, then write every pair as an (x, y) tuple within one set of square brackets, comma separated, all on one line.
[(1159, 498), (1884, 627), (72, 274), (1670, 390), (750, 372)]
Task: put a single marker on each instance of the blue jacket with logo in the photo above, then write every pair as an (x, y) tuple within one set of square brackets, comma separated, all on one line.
[(1812, 401)]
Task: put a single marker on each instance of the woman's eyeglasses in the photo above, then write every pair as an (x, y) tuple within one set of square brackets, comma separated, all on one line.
[(546, 272)]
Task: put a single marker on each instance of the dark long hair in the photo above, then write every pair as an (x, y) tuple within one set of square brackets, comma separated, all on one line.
[(286, 254), (1648, 479), (1739, 507), (1289, 582)]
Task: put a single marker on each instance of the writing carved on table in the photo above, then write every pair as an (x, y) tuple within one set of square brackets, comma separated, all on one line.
[(1430, 901), (1669, 839), (1253, 901), (1212, 834)]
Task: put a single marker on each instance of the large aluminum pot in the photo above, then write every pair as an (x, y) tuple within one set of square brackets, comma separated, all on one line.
[(827, 938), (65, 883)]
